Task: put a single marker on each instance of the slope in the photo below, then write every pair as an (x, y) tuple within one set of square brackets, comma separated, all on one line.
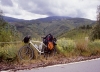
[(55, 25)]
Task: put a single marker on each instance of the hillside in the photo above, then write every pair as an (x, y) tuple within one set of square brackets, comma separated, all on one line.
[(76, 34), (10, 19), (55, 25)]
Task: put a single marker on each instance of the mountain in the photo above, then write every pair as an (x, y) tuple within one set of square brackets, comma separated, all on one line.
[(48, 19), (10, 19), (77, 33), (55, 25)]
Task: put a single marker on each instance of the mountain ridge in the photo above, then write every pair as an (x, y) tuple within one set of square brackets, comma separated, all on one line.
[(55, 25)]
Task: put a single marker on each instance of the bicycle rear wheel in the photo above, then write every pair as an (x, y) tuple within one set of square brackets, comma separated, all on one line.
[(26, 53)]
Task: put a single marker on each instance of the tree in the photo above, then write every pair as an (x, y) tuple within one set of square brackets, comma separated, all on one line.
[(2, 21), (95, 34), (98, 15), (4, 33), (7, 32)]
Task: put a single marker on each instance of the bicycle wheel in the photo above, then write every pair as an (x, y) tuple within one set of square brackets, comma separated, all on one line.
[(26, 53)]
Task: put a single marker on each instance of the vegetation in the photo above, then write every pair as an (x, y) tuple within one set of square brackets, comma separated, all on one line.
[(7, 53), (7, 32), (72, 48), (76, 34), (73, 35), (66, 46), (95, 34), (55, 25), (3, 31)]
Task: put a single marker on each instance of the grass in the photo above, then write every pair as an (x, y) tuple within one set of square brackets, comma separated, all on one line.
[(8, 53), (76, 34), (80, 47), (94, 47), (65, 46)]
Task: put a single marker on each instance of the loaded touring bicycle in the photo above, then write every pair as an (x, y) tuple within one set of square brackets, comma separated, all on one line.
[(27, 52)]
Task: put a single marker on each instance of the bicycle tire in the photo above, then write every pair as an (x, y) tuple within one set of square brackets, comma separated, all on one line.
[(28, 50)]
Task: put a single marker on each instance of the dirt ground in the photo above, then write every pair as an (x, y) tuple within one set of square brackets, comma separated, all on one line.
[(42, 62)]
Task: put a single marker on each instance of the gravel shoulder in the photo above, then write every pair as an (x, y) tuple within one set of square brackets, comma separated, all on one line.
[(42, 62)]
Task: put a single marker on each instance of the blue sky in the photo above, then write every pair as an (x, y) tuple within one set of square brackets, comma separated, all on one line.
[(33, 9)]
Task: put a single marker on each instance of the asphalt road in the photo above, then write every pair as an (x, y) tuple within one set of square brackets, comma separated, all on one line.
[(83, 66)]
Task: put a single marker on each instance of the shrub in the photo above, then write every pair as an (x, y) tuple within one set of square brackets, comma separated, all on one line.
[(81, 45), (95, 34), (65, 46), (94, 47), (82, 48), (8, 53)]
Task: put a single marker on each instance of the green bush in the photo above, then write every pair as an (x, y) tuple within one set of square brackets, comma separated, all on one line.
[(94, 47), (95, 34), (81, 46), (78, 48), (8, 53), (65, 45)]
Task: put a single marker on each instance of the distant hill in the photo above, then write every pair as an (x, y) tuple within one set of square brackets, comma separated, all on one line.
[(76, 34), (52, 18), (10, 19), (55, 25)]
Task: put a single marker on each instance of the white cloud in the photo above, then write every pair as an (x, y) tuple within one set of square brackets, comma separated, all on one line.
[(26, 15), (6, 2), (33, 9), (18, 12)]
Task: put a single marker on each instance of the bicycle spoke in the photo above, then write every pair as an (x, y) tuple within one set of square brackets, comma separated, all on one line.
[(26, 53)]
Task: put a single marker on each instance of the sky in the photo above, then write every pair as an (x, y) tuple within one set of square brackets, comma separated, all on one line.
[(34, 9)]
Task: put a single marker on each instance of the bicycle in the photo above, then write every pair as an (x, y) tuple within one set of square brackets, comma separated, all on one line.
[(50, 47), (27, 53)]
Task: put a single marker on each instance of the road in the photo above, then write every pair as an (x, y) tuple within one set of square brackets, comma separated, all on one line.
[(83, 66)]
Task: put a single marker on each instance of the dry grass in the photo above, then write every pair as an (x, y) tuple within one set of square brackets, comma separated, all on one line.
[(9, 52), (82, 47), (68, 48)]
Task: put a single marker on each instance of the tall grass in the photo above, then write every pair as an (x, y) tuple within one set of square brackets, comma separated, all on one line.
[(79, 47), (65, 46), (76, 34), (94, 47), (9, 52), (82, 48)]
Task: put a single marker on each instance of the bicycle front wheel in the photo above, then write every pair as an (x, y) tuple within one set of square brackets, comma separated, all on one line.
[(26, 53)]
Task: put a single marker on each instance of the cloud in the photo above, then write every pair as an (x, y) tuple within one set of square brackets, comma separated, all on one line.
[(17, 11), (44, 8), (75, 8), (26, 15), (6, 2)]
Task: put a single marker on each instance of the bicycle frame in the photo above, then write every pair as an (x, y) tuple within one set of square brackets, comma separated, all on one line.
[(38, 48)]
